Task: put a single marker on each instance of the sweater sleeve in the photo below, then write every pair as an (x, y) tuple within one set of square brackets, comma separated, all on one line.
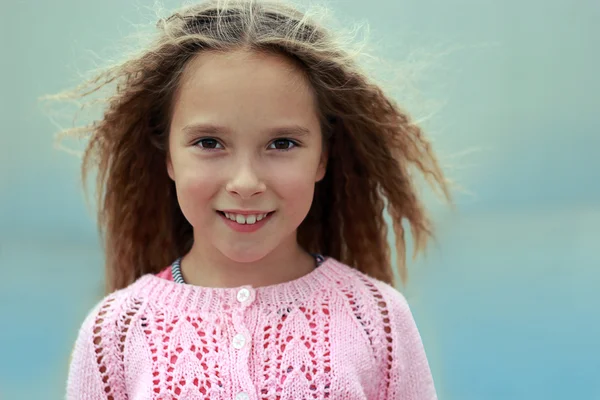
[(95, 370), (85, 380), (409, 376)]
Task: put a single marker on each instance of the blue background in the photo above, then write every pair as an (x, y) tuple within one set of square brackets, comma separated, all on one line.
[(507, 297)]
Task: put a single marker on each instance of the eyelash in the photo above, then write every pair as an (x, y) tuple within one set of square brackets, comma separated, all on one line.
[(200, 141), (292, 142)]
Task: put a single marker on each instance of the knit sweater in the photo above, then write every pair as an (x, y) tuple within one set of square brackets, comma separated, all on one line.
[(334, 333)]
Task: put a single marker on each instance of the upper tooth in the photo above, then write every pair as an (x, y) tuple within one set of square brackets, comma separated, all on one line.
[(245, 219)]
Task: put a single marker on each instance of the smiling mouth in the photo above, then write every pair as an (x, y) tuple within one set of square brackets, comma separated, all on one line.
[(246, 219)]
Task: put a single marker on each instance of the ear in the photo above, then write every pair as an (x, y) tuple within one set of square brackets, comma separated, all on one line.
[(322, 169), (170, 167)]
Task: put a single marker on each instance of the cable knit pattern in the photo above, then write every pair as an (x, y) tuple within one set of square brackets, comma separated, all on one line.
[(335, 333)]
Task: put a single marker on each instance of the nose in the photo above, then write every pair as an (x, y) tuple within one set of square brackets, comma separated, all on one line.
[(245, 181)]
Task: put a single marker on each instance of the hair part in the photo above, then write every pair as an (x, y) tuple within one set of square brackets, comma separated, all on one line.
[(373, 145)]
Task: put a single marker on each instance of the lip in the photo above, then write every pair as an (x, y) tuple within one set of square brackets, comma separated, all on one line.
[(245, 212), (245, 228)]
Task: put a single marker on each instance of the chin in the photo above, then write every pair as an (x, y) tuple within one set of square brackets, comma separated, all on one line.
[(244, 255)]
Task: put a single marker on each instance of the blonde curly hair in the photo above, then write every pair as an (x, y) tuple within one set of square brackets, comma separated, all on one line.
[(373, 145)]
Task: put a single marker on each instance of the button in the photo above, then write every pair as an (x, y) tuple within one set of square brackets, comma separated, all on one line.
[(239, 341), (243, 295), (242, 396)]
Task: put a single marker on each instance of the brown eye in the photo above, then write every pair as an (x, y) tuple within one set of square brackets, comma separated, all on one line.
[(209, 143), (282, 144)]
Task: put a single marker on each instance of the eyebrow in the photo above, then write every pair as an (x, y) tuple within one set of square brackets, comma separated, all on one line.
[(204, 128), (209, 129)]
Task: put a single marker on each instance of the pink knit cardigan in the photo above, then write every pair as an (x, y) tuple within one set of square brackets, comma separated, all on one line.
[(335, 333)]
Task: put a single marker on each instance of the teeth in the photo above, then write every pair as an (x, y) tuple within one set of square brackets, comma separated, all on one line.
[(245, 219)]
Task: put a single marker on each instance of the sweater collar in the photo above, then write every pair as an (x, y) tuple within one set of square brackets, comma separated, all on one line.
[(192, 298)]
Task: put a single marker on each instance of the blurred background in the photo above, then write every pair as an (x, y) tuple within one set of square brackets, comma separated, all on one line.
[(507, 298)]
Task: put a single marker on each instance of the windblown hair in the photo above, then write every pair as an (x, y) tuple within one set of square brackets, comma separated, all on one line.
[(373, 145)]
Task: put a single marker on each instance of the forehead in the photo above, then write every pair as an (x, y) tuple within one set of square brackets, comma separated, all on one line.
[(245, 86)]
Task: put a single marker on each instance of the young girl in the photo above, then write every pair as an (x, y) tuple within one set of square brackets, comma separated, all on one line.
[(244, 167)]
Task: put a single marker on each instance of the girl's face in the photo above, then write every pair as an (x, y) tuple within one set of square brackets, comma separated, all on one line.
[(245, 152)]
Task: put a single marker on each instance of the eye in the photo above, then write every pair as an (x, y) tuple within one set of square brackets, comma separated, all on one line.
[(209, 144), (283, 144)]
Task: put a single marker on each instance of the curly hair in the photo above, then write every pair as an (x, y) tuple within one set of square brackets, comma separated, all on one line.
[(373, 145)]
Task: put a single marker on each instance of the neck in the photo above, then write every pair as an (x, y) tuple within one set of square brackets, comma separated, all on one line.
[(208, 267)]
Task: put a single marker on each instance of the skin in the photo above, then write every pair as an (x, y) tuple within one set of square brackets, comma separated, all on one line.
[(245, 135)]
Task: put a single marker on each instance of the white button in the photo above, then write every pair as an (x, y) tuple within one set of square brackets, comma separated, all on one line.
[(239, 341), (243, 295), (242, 396)]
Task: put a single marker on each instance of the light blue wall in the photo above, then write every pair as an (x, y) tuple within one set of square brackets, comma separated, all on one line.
[(507, 298)]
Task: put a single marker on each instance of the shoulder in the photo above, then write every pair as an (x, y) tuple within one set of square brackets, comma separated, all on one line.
[(98, 346), (105, 326), (111, 312), (350, 278), (376, 301), (395, 337)]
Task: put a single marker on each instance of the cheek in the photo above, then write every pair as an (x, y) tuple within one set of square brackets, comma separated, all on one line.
[(195, 189), (295, 186)]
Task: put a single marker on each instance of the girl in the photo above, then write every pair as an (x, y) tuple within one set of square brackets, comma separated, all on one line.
[(244, 167)]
